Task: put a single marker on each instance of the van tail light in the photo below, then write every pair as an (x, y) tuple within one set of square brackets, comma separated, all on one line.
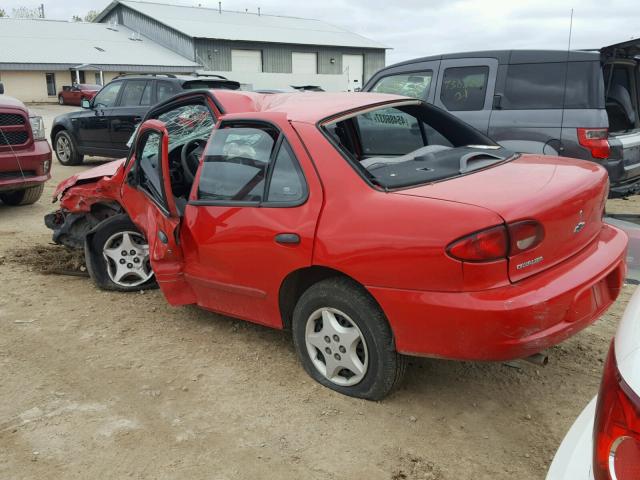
[(595, 140), (497, 242), (616, 429)]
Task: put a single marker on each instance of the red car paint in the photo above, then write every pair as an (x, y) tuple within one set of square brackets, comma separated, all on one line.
[(392, 243), (24, 162), (75, 94)]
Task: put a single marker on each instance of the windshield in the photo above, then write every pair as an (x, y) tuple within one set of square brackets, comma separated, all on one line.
[(406, 145)]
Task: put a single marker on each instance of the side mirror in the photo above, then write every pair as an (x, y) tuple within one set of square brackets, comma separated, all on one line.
[(85, 103), (1, 88)]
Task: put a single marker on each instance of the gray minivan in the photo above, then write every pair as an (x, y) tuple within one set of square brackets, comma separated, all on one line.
[(581, 104)]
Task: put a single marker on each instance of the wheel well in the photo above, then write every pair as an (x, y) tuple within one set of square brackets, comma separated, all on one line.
[(55, 131), (297, 282)]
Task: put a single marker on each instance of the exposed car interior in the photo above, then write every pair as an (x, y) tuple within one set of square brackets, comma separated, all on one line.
[(401, 146), (621, 95)]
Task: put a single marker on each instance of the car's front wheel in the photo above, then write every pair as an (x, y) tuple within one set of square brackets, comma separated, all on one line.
[(26, 196), (66, 149), (60, 100), (344, 341), (118, 257)]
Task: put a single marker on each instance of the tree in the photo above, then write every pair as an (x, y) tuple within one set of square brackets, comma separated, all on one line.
[(90, 16), (76, 18), (2, 13), (25, 12)]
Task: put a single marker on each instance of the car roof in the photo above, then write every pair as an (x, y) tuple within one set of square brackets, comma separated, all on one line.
[(511, 56), (308, 107)]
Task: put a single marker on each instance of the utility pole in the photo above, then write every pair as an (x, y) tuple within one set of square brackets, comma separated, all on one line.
[(41, 10)]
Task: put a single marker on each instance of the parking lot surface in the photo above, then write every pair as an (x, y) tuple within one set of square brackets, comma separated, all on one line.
[(107, 385)]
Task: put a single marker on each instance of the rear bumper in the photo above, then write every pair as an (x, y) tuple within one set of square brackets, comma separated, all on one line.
[(30, 161), (514, 321), (624, 168), (572, 461)]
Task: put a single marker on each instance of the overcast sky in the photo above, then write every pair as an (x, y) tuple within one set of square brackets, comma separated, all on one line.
[(415, 28)]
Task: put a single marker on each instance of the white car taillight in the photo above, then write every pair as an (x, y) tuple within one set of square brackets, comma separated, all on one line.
[(37, 127), (616, 429)]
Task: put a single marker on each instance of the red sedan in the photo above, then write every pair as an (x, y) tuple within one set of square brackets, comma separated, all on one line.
[(373, 226), (74, 94)]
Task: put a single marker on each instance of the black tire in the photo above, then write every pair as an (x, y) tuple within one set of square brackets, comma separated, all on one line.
[(71, 156), (98, 265), (60, 100), (26, 196), (386, 367)]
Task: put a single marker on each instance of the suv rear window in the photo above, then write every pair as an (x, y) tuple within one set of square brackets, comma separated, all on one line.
[(415, 85), (532, 86)]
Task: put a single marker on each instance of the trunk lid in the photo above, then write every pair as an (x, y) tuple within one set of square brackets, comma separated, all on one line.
[(565, 196)]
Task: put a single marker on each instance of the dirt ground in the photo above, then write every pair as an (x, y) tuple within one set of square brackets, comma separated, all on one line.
[(107, 385)]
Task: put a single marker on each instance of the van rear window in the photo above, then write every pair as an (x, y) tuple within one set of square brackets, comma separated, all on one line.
[(537, 86)]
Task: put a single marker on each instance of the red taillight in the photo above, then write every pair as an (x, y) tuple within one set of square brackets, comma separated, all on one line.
[(497, 242), (616, 429), (483, 246), (524, 236), (595, 140)]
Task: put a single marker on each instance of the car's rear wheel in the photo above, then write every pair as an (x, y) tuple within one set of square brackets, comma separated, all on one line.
[(66, 149), (119, 256), (344, 341), (60, 100), (26, 196)]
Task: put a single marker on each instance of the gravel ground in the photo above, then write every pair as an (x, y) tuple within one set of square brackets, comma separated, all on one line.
[(105, 385)]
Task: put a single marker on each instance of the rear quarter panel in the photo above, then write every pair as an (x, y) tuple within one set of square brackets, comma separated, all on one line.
[(383, 239)]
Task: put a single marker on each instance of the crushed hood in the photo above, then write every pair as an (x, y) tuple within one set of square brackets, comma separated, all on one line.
[(105, 170)]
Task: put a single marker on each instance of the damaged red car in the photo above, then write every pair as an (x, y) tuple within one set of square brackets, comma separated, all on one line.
[(373, 226)]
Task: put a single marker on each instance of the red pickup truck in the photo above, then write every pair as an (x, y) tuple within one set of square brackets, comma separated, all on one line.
[(25, 154), (74, 94)]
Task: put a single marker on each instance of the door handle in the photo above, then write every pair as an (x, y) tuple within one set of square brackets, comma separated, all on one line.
[(287, 238)]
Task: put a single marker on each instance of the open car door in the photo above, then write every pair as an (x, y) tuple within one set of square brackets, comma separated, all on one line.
[(148, 200)]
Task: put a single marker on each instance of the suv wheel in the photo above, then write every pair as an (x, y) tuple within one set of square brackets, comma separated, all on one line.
[(66, 149), (25, 196), (119, 256), (344, 341), (60, 100)]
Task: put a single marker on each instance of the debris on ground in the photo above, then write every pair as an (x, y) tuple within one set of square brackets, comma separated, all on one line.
[(50, 259)]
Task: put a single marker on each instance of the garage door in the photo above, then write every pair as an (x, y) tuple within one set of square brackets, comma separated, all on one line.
[(353, 67), (304, 63), (246, 60)]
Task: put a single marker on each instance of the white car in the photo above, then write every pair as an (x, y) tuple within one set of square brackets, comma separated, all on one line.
[(604, 441)]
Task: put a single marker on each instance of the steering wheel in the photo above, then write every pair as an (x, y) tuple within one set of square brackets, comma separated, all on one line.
[(190, 157)]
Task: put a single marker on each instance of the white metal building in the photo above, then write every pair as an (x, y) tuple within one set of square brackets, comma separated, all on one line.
[(264, 51), (38, 57)]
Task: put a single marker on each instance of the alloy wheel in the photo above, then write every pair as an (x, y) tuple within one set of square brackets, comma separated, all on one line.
[(63, 148), (127, 257), (336, 346)]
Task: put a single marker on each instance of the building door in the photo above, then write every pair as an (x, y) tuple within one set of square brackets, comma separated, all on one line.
[(304, 63), (353, 68), (246, 61)]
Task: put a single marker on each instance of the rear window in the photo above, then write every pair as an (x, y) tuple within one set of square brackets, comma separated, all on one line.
[(402, 146), (415, 84), (541, 86)]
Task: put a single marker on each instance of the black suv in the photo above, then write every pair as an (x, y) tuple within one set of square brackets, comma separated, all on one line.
[(106, 122)]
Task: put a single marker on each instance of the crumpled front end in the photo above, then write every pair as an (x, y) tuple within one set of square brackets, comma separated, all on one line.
[(86, 199)]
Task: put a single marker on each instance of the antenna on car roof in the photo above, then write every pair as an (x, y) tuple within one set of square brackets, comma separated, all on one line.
[(566, 75)]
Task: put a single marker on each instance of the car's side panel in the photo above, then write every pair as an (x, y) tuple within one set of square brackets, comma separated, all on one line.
[(232, 259), (383, 239)]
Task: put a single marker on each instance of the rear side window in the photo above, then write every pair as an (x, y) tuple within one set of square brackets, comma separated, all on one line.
[(541, 86), (415, 85), (464, 88), (250, 164), (166, 90), (132, 93)]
